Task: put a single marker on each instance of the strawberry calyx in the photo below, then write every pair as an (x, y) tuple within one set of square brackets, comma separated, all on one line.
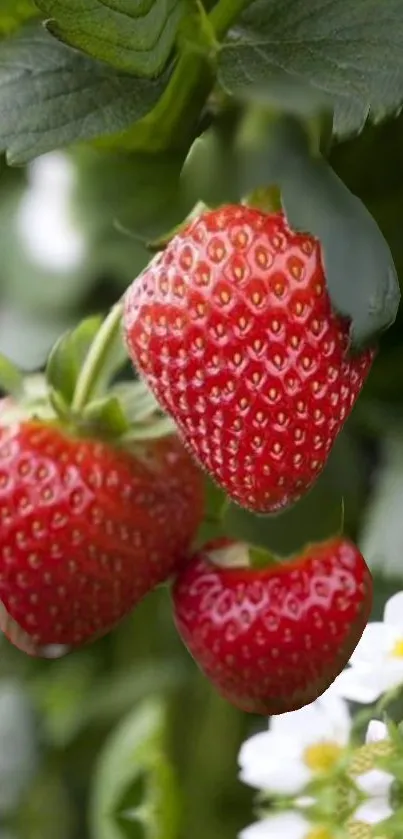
[(228, 553), (225, 553), (79, 391), (267, 199)]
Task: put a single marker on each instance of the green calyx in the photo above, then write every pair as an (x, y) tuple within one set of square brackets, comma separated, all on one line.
[(260, 558), (79, 390), (241, 555)]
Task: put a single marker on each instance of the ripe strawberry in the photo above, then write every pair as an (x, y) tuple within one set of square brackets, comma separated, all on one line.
[(233, 329), (273, 639), (86, 531)]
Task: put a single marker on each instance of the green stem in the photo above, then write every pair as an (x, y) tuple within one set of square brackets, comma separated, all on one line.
[(96, 358), (172, 123), (225, 13)]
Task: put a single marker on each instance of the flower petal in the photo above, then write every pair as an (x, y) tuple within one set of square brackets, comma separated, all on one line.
[(375, 783), (373, 811), (274, 763), (258, 830), (376, 731), (376, 643), (393, 614), (287, 825), (327, 718), (365, 684)]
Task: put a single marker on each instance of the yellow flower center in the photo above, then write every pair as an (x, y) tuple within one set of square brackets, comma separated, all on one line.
[(319, 833), (321, 757), (397, 651)]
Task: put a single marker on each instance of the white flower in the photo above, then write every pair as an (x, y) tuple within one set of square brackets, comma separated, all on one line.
[(376, 732), (375, 785), (286, 825), (376, 665), (297, 746)]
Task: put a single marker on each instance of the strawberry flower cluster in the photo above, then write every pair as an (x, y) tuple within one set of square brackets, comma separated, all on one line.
[(313, 773), (306, 763)]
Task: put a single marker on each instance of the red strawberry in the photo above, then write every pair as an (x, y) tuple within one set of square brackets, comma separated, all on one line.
[(233, 329), (274, 639), (86, 531)]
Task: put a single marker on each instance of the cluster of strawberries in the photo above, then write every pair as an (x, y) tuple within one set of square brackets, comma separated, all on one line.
[(232, 328)]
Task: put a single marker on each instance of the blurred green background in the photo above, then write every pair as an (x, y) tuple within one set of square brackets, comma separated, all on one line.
[(125, 739)]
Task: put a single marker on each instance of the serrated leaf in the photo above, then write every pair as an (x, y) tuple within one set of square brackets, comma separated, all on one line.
[(66, 358), (52, 96), (13, 13), (134, 785), (349, 50), (135, 36), (11, 378)]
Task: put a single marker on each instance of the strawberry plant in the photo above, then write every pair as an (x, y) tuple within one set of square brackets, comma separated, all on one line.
[(200, 410)]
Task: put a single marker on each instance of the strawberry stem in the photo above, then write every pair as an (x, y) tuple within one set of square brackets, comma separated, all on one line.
[(97, 358), (225, 14)]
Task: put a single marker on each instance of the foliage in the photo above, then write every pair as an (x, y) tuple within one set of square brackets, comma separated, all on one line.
[(143, 108)]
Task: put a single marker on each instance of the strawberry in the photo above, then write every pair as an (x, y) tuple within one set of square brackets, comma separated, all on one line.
[(233, 329), (87, 530), (274, 638)]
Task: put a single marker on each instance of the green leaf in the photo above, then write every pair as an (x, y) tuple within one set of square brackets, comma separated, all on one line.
[(135, 36), (360, 273), (134, 793), (67, 356), (52, 96), (11, 378), (351, 51), (13, 13)]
